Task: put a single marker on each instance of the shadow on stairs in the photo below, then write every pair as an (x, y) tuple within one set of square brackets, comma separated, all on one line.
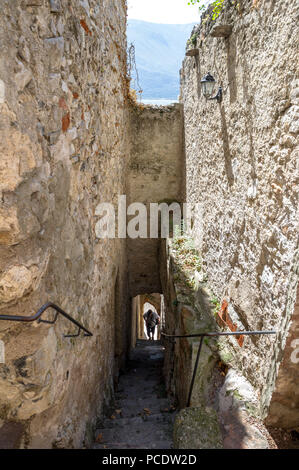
[(143, 416)]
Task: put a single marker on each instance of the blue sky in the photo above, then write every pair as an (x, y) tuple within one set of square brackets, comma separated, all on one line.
[(164, 11)]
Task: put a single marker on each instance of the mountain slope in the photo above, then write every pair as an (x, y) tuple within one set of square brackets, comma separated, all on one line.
[(160, 49)]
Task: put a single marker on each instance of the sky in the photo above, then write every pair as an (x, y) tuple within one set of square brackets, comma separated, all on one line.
[(163, 11)]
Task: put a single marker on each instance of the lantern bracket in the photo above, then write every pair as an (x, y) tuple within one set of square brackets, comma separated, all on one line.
[(217, 97)]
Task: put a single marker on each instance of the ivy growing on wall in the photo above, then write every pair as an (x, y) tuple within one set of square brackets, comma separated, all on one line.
[(217, 7)]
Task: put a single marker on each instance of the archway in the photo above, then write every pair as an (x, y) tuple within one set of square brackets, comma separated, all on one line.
[(140, 304)]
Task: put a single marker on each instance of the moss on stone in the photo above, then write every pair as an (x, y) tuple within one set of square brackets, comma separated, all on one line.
[(225, 356), (197, 428), (237, 395), (253, 410)]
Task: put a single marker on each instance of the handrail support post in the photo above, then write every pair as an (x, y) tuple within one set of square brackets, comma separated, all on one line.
[(195, 370)]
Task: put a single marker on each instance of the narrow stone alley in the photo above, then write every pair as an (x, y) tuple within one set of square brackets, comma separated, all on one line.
[(108, 204), (142, 417)]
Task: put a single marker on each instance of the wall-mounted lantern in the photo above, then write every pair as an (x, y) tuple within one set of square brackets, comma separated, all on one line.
[(207, 86)]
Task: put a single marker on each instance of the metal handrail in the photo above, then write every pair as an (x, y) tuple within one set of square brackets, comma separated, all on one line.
[(202, 336), (38, 315)]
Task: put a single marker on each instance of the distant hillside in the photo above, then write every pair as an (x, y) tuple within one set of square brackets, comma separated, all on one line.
[(160, 49)]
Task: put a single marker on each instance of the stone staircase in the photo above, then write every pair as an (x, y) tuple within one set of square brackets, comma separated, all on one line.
[(143, 416)]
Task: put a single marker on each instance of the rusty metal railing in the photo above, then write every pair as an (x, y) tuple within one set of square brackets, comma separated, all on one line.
[(202, 336), (37, 317)]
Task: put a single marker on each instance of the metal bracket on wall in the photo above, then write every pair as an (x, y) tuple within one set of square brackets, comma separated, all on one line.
[(218, 97), (37, 317)]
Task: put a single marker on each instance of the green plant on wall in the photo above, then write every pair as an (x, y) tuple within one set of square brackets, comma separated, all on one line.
[(216, 304), (193, 40), (188, 259), (194, 2), (217, 7)]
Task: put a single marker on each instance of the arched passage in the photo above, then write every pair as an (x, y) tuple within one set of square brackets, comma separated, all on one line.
[(139, 304)]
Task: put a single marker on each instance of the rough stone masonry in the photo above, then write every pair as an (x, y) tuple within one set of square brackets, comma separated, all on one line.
[(70, 139), (242, 168), (63, 146)]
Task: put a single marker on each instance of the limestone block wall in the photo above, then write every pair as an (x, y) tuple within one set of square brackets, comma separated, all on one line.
[(63, 150), (155, 175), (241, 168)]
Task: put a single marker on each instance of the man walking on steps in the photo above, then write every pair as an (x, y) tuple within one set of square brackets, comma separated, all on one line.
[(151, 319)]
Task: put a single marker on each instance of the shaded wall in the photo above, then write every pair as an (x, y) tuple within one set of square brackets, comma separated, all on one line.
[(155, 174), (188, 310)]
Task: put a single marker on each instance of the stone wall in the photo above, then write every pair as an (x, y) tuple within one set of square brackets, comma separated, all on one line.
[(241, 169), (69, 141), (285, 399), (188, 310), (224, 407), (155, 175), (64, 146)]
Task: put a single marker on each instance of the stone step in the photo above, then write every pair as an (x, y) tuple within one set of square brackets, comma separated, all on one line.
[(124, 445), (139, 375), (139, 420), (154, 395), (145, 434), (149, 387), (141, 399), (131, 407)]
